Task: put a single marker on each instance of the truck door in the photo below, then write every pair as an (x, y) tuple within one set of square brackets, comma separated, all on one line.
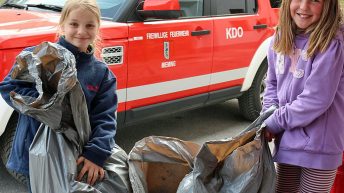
[(170, 59), (239, 30)]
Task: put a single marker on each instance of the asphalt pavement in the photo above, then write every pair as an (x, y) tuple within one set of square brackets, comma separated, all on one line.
[(8, 184)]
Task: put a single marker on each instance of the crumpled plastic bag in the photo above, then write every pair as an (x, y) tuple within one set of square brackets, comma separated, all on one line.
[(158, 164), (242, 164), (65, 129)]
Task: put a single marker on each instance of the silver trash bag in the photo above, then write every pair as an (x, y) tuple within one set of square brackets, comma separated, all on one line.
[(65, 129), (53, 167), (158, 164), (242, 164)]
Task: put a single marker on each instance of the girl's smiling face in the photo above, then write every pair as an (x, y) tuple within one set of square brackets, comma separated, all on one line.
[(80, 28), (306, 12)]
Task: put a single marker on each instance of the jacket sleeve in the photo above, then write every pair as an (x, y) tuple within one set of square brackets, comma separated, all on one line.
[(318, 94), (270, 95), (103, 121), (22, 87)]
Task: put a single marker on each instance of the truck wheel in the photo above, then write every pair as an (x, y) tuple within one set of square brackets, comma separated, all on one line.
[(250, 102), (6, 146)]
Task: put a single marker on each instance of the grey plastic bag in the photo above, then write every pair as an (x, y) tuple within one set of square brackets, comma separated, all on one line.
[(53, 157), (158, 164), (242, 164), (65, 128)]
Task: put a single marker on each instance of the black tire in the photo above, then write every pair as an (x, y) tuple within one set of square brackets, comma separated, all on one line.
[(6, 141), (250, 102)]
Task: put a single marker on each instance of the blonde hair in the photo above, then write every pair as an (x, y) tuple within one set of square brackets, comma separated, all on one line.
[(321, 33), (89, 5)]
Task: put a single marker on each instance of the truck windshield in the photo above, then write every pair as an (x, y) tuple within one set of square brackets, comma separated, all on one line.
[(108, 8)]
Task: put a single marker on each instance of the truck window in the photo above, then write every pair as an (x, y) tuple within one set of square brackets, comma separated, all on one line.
[(109, 8), (224, 7), (191, 8), (275, 3)]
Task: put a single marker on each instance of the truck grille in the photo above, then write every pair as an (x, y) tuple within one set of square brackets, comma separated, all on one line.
[(112, 55)]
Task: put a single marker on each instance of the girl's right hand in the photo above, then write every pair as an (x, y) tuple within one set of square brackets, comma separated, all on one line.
[(94, 172)]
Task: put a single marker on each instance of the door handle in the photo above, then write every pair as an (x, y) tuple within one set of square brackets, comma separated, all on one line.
[(200, 32), (260, 26)]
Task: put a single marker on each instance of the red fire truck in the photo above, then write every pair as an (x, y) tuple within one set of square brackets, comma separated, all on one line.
[(168, 55)]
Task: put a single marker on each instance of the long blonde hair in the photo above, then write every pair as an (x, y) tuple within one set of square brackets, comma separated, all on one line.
[(321, 33), (89, 5)]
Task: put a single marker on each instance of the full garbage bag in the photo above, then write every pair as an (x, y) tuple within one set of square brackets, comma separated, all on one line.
[(242, 164), (157, 164), (65, 129)]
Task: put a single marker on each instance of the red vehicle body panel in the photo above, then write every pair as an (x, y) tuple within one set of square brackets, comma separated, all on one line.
[(162, 5), (189, 56)]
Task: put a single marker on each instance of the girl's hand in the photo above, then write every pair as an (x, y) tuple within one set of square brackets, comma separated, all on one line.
[(94, 171)]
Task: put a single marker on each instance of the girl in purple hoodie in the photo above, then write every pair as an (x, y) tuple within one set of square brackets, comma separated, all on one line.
[(305, 80)]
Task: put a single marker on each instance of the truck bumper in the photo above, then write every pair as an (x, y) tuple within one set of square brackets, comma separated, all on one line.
[(5, 114)]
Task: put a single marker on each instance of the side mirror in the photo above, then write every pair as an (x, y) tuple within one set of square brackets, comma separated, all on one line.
[(160, 9)]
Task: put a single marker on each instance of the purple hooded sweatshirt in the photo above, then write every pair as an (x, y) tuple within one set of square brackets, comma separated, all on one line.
[(309, 123)]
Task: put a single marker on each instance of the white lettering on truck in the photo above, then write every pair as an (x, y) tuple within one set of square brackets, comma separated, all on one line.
[(174, 34), (157, 35), (171, 34), (168, 64), (233, 32)]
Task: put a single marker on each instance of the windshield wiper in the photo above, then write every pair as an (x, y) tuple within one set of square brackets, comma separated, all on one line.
[(14, 5), (45, 6)]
